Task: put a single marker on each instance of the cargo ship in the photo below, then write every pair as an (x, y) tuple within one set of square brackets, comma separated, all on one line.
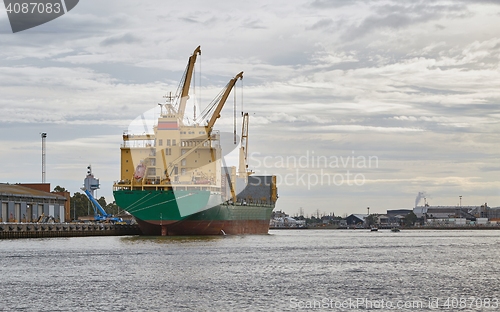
[(174, 180)]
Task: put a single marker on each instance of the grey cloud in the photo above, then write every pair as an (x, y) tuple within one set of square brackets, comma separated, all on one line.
[(253, 24), (399, 15), (199, 18), (427, 90), (325, 4), (420, 9), (127, 38), (490, 168), (190, 20), (471, 109), (322, 4), (392, 20), (290, 58), (323, 23)]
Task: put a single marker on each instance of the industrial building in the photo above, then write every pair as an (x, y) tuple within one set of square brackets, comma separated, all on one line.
[(356, 219), (398, 212), (27, 202), (440, 212)]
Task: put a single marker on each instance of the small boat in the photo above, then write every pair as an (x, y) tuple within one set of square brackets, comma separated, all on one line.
[(395, 230)]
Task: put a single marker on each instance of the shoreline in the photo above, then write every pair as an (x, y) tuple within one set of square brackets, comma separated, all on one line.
[(401, 228)]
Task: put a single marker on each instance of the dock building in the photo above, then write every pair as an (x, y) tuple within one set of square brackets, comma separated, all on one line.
[(27, 202)]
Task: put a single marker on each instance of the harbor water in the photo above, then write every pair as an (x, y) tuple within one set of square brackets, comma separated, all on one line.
[(287, 270)]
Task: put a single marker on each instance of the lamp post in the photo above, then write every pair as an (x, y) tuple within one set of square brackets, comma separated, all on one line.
[(44, 136)]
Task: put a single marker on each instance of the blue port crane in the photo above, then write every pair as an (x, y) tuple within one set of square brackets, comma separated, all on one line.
[(92, 184), (99, 213)]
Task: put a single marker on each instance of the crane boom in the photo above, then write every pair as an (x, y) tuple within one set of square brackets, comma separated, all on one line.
[(242, 170), (103, 216), (187, 83), (222, 101), (95, 203)]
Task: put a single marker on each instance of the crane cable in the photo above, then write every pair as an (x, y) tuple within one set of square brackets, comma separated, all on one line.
[(194, 92), (242, 99), (199, 91), (234, 114), (210, 107), (178, 92)]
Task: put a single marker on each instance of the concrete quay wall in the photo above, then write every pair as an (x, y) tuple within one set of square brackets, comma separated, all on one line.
[(40, 230)]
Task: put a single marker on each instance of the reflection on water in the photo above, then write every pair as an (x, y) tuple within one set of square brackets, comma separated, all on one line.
[(280, 271), (171, 239)]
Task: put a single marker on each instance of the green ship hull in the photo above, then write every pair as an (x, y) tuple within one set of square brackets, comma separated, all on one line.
[(192, 212)]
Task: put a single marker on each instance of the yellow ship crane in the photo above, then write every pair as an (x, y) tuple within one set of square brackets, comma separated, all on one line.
[(187, 83), (222, 101), (213, 119)]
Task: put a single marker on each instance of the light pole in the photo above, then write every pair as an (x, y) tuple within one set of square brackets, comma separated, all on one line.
[(44, 136), (460, 200)]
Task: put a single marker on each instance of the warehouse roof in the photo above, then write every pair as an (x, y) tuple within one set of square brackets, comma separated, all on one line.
[(22, 191)]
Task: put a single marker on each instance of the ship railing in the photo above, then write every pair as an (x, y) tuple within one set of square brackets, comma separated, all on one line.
[(157, 187), (197, 187), (126, 185), (257, 204), (138, 144)]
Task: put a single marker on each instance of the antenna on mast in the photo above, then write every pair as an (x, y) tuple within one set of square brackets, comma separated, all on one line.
[(170, 98)]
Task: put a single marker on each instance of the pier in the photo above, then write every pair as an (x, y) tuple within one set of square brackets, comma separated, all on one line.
[(41, 230)]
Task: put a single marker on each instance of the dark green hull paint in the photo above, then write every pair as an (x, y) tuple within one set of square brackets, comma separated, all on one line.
[(158, 205), (162, 213)]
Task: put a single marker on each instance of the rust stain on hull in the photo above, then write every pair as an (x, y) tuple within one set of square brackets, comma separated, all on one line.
[(208, 227)]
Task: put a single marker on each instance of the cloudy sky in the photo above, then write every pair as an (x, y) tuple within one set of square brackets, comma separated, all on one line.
[(412, 86)]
